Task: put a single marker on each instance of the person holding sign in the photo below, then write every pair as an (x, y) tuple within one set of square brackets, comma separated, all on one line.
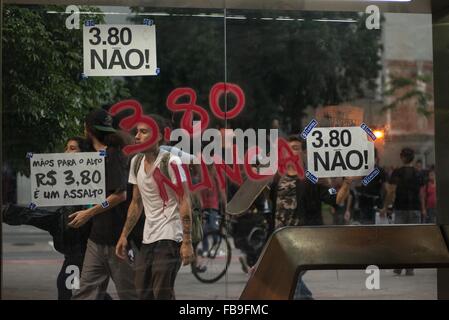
[(100, 262), (297, 202), (167, 236), (68, 241)]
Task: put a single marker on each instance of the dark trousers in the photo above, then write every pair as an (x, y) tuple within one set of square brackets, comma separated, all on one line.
[(65, 293), (50, 221), (339, 217), (101, 264), (157, 265), (211, 224), (367, 215)]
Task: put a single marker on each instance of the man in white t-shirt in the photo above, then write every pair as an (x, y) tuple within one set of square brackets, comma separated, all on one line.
[(167, 232)]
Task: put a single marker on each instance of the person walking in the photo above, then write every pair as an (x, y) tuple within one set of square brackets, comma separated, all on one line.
[(167, 235), (100, 262), (405, 194)]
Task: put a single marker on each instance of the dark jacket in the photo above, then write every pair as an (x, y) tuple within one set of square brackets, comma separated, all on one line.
[(66, 240)]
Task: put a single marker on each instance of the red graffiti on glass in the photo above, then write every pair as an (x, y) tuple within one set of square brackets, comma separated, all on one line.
[(162, 181), (214, 100), (205, 182), (190, 108), (130, 122), (233, 173), (252, 174), (285, 156)]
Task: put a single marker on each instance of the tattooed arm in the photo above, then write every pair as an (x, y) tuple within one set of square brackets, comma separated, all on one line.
[(134, 212), (186, 220)]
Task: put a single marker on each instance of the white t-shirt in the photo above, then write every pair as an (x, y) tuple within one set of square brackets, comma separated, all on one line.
[(161, 223)]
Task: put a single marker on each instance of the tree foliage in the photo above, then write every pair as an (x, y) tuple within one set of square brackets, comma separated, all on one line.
[(283, 66), (408, 90), (190, 53), (45, 98), (291, 65)]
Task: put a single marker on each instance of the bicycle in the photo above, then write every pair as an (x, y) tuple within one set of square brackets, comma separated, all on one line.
[(213, 254), (249, 232)]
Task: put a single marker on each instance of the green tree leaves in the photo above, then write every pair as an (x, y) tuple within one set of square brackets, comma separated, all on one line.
[(404, 90), (282, 66), (45, 98)]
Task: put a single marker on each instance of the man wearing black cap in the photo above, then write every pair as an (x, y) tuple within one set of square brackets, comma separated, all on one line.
[(100, 262)]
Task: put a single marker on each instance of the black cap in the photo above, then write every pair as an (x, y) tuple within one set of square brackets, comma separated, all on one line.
[(100, 120)]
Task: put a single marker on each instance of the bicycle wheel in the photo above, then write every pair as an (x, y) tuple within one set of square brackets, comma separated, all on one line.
[(213, 256)]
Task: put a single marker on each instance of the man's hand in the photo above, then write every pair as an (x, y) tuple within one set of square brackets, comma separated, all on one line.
[(186, 252), (79, 218), (121, 247), (347, 216)]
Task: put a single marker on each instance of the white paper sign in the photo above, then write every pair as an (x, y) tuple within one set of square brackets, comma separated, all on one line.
[(339, 152), (60, 179), (119, 50)]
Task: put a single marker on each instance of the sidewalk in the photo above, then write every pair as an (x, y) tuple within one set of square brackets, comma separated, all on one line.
[(30, 268)]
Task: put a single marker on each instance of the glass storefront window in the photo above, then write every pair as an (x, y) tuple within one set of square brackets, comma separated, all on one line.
[(235, 65)]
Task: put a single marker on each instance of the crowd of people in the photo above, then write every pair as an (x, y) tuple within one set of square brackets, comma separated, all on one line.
[(392, 192), (403, 195), (142, 254)]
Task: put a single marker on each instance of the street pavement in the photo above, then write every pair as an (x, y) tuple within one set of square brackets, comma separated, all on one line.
[(31, 265)]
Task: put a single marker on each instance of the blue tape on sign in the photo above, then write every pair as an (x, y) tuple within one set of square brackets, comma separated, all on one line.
[(312, 124), (332, 191), (29, 155), (32, 206), (89, 23), (370, 177), (148, 22), (368, 131), (105, 204), (158, 70), (311, 177), (102, 153), (83, 76)]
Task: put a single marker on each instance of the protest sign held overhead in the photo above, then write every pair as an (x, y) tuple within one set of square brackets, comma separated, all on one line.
[(339, 152), (119, 50), (59, 179)]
